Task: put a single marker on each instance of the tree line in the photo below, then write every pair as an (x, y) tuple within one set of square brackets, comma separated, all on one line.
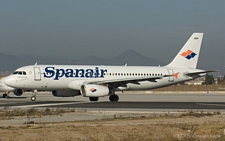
[(209, 80)]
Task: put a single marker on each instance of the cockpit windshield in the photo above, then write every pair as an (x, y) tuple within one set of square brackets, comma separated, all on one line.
[(19, 73)]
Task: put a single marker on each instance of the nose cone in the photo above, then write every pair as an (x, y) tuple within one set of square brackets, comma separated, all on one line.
[(10, 81)]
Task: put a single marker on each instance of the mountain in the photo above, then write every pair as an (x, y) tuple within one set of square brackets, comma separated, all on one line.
[(9, 62), (131, 57)]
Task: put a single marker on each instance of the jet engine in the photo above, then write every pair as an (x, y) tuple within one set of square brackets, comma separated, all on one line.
[(18, 92), (94, 90), (65, 93)]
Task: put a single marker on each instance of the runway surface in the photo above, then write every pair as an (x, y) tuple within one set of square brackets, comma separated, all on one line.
[(138, 101)]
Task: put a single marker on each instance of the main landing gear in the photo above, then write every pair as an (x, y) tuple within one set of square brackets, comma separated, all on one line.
[(33, 97), (5, 95), (114, 98)]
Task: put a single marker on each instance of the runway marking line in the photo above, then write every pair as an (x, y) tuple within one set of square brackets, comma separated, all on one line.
[(208, 104), (40, 105)]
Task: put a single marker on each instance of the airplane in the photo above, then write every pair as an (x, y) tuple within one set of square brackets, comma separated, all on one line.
[(98, 81), (6, 89)]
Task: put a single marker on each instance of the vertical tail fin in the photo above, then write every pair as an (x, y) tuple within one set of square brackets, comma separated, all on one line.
[(188, 55)]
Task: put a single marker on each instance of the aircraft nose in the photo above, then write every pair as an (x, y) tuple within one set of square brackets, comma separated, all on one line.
[(9, 81)]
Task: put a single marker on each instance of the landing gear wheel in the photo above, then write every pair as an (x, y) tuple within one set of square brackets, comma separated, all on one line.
[(93, 98), (5, 95), (113, 98), (33, 98)]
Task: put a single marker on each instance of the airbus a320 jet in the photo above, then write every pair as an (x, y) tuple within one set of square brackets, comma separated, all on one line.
[(99, 81)]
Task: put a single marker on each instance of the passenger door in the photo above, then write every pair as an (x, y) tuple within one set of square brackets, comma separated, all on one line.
[(37, 74)]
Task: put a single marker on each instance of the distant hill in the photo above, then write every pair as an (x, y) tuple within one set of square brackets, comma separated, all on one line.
[(131, 57)]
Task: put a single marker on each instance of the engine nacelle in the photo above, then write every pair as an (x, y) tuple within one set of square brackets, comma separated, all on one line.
[(94, 90), (18, 92), (66, 93)]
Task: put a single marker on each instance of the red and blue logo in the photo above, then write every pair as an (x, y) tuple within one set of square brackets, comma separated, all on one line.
[(93, 90), (188, 54)]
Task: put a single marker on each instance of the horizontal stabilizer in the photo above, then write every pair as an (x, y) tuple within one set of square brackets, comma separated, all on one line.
[(200, 72)]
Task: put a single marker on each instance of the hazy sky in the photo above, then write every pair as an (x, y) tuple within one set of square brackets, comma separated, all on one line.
[(105, 28)]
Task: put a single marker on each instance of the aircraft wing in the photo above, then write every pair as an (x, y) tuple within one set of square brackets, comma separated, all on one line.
[(118, 82)]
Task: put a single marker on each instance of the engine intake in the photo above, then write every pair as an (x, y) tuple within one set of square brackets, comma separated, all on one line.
[(18, 92)]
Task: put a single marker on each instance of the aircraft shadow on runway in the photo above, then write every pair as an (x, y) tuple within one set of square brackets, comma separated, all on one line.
[(13, 97)]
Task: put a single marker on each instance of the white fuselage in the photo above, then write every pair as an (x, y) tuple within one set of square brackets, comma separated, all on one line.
[(56, 77), (4, 87)]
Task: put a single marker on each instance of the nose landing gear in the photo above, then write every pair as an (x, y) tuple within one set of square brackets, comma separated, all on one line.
[(33, 97)]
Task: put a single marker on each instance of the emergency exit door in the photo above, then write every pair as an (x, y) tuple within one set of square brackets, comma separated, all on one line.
[(171, 78)]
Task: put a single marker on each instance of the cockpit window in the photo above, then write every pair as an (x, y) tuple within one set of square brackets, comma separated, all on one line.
[(15, 72), (20, 73)]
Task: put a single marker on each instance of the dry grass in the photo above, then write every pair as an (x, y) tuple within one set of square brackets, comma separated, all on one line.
[(126, 130), (7, 113), (154, 127)]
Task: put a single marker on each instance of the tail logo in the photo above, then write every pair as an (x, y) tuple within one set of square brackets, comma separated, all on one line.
[(93, 90), (188, 54)]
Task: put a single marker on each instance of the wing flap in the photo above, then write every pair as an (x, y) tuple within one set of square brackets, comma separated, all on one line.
[(127, 80)]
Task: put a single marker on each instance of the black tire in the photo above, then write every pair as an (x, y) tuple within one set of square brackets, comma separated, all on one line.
[(114, 98), (93, 98)]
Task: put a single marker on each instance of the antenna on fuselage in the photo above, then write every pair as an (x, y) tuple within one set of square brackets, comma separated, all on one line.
[(125, 65), (35, 64)]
